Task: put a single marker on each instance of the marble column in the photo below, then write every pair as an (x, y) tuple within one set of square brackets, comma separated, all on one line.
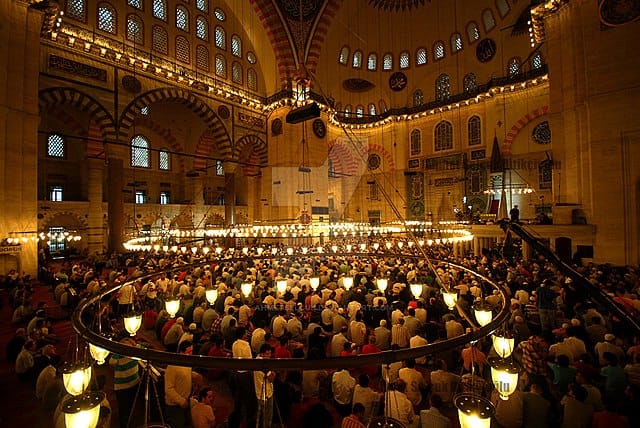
[(116, 204), (95, 232)]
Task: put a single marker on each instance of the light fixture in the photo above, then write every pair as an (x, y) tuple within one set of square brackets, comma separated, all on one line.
[(483, 313), (503, 344), (99, 354), (172, 306), (347, 282), (132, 323), (290, 251), (76, 377), (212, 295), (382, 284), (474, 411), (416, 290), (83, 411), (315, 282), (450, 299), (246, 288), (504, 373), (281, 286)]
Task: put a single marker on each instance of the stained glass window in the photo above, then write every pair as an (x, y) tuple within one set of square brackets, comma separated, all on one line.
[(443, 87), (221, 38), (202, 28), (164, 160), (236, 46), (140, 152), (514, 66), (372, 62), (536, 61), (252, 79), (359, 111), (415, 142), (107, 18), (251, 57), (372, 109), (221, 66), (456, 42), (443, 136), (344, 55), (438, 50), (418, 98), (387, 62), (202, 57), (357, 59), (182, 18), (135, 3), (475, 134), (236, 72), (469, 82), (472, 32)]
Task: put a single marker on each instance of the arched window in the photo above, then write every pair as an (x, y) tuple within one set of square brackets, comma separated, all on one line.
[(252, 79), (160, 9), (76, 9), (338, 109), (107, 18), (344, 55), (438, 50), (347, 110), (503, 7), (372, 62), (182, 18), (164, 160), (202, 57), (183, 51), (135, 29), (473, 33), (160, 40), (443, 136), (221, 38), (404, 60), (513, 67), (488, 20), (357, 59), (418, 98), (469, 83), (443, 87), (221, 66), (359, 110), (135, 3), (415, 142), (456, 42), (383, 106), (372, 109), (202, 28), (475, 134), (421, 56), (202, 5), (236, 46), (387, 62), (56, 146), (220, 15), (140, 152), (536, 61), (236, 72), (251, 57)]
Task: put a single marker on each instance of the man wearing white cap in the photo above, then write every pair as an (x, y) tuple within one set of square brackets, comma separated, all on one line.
[(608, 345), (383, 336)]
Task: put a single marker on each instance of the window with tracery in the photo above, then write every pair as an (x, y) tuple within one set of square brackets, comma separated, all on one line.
[(56, 146), (135, 29), (252, 79), (443, 137), (107, 18), (418, 98), (421, 56), (473, 33), (545, 175), (183, 52), (160, 40), (160, 9), (438, 50), (140, 152), (536, 61), (202, 57), (202, 5), (359, 111), (221, 66), (372, 109), (164, 160), (76, 9), (357, 59), (404, 60), (236, 72), (415, 143), (443, 87), (469, 83), (236, 46), (387, 62), (182, 18), (135, 3), (202, 28), (513, 67), (221, 38), (456, 42), (344, 55), (372, 62), (475, 134), (219, 14), (488, 20)]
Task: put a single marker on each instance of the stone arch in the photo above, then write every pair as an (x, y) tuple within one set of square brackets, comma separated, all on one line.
[(99, 116), (49, 220), (343, 159), (384, 154), (257, 158), (207, 143), (166, 134), (188, 99), (521, 123)]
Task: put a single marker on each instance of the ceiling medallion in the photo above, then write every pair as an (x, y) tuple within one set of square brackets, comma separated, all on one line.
[(397, 81), (614, 13), (357, 85), (131, 84), (486, 50), (397, 5)]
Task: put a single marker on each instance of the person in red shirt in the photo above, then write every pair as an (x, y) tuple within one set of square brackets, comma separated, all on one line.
[(371, 348), (281, 350), (354, 420)]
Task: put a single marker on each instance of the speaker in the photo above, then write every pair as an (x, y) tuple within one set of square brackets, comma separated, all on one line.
[(306, 112)]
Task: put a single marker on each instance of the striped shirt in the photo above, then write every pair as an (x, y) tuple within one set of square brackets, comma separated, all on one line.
[(351, 421), (125, 372)]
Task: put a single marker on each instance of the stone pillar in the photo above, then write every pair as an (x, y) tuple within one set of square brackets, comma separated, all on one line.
[(229, 194), (19, 120), (527, 251), (456, 249), (95, 232), (477, 250), (116, 204)]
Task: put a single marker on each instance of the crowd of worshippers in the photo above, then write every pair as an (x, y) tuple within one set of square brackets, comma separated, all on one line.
[(580, 365)]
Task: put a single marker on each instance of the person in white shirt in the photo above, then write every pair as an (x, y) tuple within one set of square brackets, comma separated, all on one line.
[(202, 415), (383, 336), (358, 330), (279, 325), (177, 389), (363, 394), (433, 418), (263, 384), (398, 406), (342, 386), (414, 380), (415, 342), (244, 388)]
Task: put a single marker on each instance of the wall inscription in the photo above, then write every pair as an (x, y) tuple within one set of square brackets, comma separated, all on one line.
[(79, 69)]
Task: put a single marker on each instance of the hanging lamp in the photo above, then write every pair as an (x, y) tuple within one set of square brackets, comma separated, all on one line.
[(83, 411), (504, 373), (172, 306)]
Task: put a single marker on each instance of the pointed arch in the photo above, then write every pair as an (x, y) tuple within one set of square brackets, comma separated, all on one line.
[(166, 134), (258, 155), (521, 123), (49, 220), (214, 125)]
